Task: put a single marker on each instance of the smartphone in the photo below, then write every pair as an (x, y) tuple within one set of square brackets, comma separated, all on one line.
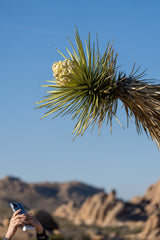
[(16, 206)]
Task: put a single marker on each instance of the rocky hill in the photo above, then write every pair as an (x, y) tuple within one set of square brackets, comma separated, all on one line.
[(46, 196)]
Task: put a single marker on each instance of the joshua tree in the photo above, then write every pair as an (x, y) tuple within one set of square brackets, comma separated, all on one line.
[(88, 87)]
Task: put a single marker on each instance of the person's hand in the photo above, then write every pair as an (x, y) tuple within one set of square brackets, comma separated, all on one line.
[(16, 220), (31, 220)]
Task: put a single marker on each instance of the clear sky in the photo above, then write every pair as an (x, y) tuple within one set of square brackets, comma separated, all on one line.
[(42, 150)]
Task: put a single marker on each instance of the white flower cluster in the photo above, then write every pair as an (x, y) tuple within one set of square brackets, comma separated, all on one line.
[(61, 69)]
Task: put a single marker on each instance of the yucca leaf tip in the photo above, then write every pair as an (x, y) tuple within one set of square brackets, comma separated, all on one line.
[(88, 86)]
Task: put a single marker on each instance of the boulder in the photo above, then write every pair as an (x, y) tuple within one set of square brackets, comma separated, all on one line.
[(151, 229), (112, 216), (96, 208), (67, 211)]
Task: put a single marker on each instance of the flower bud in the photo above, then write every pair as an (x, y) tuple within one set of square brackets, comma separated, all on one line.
[(60, 71)]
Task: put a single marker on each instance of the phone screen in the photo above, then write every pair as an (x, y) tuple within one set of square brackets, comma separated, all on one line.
[(16, 206)]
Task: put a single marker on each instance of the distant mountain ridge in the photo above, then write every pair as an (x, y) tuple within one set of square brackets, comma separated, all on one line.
[(47, 196)]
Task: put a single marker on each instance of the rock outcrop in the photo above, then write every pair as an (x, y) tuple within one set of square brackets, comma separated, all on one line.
[(103, 210), (151, 229), (67, 211), (150, 200), (96, 209)]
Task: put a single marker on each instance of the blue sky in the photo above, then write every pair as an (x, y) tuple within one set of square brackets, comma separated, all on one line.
[(42, 150)]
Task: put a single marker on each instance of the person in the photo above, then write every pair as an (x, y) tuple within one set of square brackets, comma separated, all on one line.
[(25, 219)]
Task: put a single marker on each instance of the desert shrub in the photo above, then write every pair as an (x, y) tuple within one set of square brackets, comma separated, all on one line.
[(56, 237), (86, 237)]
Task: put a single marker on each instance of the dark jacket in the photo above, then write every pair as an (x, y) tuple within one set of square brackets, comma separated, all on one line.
[(42, 236)]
